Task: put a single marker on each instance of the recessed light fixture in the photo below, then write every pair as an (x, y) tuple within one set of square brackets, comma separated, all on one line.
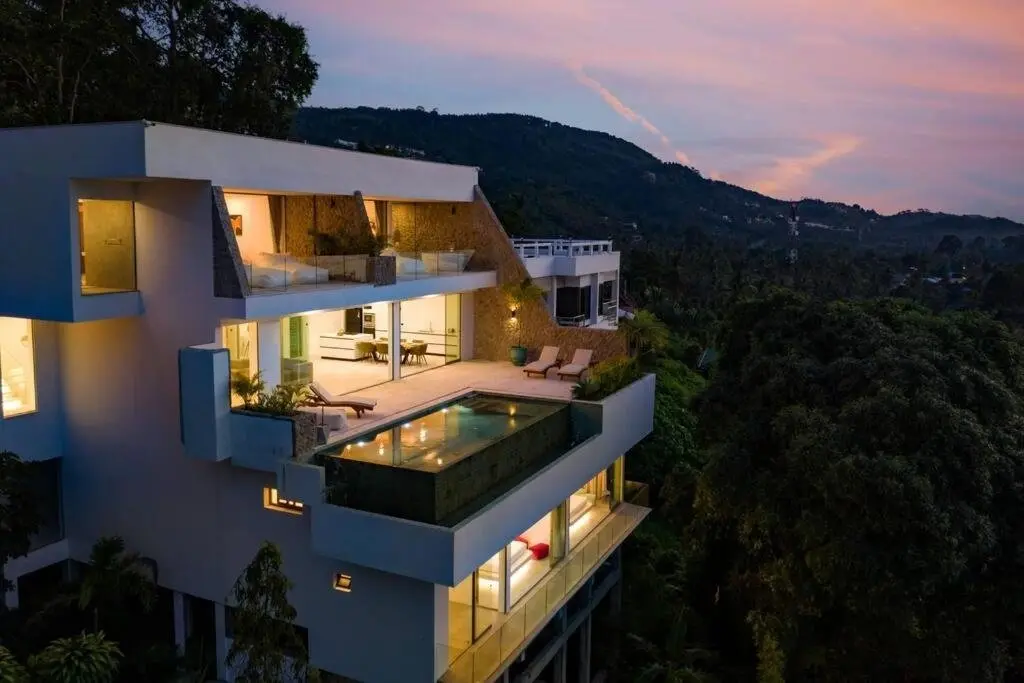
[(343, 583)]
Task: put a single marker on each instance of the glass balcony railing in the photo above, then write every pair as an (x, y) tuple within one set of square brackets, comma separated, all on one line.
[(283, 272), (506, 638)]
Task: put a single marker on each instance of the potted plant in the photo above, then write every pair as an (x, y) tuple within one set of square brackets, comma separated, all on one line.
[(519, 294), (281, 402)]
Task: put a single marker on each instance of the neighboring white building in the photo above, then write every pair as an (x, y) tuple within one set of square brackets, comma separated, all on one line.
[(580, 279), (460, 531)]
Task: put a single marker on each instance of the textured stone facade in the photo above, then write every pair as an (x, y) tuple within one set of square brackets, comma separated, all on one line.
[(229, 278), (434, 226), (340, 219), (493, 329)]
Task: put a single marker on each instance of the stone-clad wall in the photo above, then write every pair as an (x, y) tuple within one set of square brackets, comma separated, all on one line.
[(229, 277), (434, 226), (341, 216), (492, 328)]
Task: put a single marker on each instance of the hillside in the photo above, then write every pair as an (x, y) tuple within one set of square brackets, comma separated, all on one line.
[(545, 179)]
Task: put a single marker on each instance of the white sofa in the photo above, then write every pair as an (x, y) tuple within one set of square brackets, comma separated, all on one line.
[(270, 271)]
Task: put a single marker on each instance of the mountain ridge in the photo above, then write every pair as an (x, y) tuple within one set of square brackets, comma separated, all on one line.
[(546, 178)]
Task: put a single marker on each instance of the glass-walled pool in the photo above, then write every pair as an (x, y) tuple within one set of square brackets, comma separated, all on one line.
[(429, 467)]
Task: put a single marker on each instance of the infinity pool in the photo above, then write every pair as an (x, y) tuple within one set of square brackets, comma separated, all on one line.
[(430, 465), (445, 434)]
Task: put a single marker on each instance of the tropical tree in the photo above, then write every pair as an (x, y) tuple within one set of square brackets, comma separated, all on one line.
[(266, 646), (19, 512), (85, 658), (644, 332), (860, 508), (212, 63)]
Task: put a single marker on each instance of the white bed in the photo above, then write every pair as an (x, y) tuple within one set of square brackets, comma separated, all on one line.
[(579, 503), (269, 271), (518, 555)]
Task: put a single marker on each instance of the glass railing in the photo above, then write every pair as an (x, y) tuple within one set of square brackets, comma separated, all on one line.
[(485, 657), (573, 320), (282, 272)]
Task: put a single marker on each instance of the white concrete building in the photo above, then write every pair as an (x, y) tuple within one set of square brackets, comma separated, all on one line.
[(459, 531), (580, 279)]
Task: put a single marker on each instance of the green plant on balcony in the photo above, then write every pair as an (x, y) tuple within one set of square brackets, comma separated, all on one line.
[(607, 377), (519, 294), (645, 333), (284, 399)]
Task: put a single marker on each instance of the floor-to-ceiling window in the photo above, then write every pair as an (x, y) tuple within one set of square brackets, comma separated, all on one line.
[(531, 556), (241, 342), (296, 367), (348, 347), (17, 366), (588, 506), (430, 333), (473, 605)]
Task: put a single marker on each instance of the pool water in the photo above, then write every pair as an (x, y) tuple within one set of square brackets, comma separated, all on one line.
[(446, 434)]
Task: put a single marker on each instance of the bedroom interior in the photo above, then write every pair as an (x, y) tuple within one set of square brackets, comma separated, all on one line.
[(474, 604), (17, 366)]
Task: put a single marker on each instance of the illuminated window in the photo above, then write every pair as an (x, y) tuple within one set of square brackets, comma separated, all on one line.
[(343, 583), (272, 501), (106, 233), (17, 366)]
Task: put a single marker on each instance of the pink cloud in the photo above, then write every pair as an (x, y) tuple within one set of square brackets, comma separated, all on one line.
[(616, 104), (877, 70)]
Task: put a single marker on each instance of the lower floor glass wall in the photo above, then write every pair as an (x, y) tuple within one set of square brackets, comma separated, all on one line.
[(504, 580)]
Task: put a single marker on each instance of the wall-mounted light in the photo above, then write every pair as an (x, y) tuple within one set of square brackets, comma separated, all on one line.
[(343, 583), (512, 315)]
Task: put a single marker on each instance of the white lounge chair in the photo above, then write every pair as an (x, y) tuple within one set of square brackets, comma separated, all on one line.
[(548, 359), (322, 397), (580, 362)]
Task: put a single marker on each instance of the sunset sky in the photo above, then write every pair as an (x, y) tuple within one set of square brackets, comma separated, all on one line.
[(891, 104)]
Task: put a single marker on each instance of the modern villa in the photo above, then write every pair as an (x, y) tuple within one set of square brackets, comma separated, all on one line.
[(443, 515)]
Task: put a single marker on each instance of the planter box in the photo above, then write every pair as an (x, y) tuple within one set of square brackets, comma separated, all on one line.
[(260, 441)]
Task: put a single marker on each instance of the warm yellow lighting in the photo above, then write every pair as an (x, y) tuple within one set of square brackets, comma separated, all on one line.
[(407, 425), (360, 443), (444, 410), (423, 434), (273, 501), (440, 461), (512, 410), (343, 583)]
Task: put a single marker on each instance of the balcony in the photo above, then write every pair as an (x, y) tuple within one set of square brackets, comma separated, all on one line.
[(566, 258), (443, 551), (514, 631)]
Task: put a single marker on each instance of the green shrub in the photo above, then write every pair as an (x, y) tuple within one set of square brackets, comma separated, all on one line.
[(284, 399), (606, 378)]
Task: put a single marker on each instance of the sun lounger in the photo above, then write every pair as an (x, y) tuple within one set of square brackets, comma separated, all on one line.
[(580, 362), (548, 359), (321, 397)]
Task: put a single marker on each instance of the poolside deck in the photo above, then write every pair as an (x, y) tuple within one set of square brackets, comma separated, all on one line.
[(411, 394)]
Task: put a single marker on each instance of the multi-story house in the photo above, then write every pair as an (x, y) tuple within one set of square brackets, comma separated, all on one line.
[(462, 529)]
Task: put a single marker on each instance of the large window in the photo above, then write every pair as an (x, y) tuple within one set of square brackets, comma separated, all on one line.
[(473, 605), (241, 343), (106, 232), (588, 506), (348, 347), (17, 366), (296, 368), (431, 332), (532, 553)]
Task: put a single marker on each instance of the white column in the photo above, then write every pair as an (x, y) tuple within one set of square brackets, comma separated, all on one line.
[(180, 635), (615, 294), (220, 640), (595, 298), (395, 340), (268, 334), (553, 297)]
